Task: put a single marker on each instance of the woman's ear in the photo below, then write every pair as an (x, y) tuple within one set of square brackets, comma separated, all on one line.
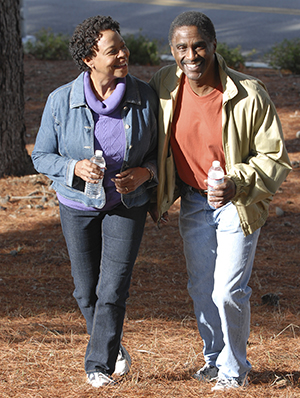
[(89, 62)]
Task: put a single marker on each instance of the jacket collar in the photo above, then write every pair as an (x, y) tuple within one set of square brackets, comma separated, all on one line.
[(172, 79), (77, 97), (230, 90), (132, 93)]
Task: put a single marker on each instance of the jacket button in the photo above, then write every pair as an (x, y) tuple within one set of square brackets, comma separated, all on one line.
[(127, 126)]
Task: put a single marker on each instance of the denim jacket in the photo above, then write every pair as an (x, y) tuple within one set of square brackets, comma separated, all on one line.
[(66, 136)]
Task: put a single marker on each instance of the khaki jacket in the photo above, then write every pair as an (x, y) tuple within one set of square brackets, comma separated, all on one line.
[(255, 154)]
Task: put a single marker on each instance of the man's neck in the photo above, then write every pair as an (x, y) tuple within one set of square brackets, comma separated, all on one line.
[(206, 85)]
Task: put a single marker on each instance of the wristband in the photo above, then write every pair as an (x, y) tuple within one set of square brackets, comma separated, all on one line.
[(151, 174)]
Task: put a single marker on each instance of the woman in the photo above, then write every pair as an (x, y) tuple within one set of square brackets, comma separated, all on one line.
[(105, 109)]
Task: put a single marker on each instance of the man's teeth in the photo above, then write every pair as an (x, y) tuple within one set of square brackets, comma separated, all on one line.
[(192, 66)]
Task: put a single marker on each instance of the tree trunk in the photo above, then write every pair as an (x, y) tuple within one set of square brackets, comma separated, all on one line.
[(14, 159)]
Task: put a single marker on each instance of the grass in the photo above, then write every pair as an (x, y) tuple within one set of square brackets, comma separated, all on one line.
[(43, 336)]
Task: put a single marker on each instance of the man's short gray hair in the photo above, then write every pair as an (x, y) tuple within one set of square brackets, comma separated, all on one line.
[(193, 18)]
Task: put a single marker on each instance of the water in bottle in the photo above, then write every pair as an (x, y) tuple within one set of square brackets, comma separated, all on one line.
[(215, 177), (93, 191)]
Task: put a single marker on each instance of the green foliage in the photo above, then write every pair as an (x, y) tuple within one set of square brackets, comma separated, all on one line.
[(232, 56), (286, 55), (49, 45), (142, 50)]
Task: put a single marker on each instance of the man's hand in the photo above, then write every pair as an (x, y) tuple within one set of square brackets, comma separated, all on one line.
[(164, 219), (222, 193)]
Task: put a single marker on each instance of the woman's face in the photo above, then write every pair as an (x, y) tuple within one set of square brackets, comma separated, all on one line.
[(111, 60)]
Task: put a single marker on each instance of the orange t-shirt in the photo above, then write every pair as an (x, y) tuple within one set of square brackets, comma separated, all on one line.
[(196, 138)]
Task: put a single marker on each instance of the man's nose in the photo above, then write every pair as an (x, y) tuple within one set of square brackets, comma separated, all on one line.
[(191, 53)]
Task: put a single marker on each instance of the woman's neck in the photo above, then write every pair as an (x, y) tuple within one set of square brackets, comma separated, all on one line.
[(101, 88)]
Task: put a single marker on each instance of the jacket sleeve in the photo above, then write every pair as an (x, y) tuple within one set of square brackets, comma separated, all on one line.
[(45, 156), (150, 160), (266, 163)]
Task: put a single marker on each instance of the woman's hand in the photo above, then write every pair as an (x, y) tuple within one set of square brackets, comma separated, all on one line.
[(130, 179), (88, 171)]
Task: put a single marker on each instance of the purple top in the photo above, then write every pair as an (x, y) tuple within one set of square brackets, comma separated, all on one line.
[(109, 137)]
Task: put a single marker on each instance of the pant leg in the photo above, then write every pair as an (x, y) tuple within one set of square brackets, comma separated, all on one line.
[(122, 231), (82, 232), (231, 294), (219, 262), (200, 248)]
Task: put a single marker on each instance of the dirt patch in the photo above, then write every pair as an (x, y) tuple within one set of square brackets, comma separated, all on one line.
[(42, 333)]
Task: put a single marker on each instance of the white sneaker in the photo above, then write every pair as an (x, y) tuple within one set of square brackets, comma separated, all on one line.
[(207, 373), (223, 383), (99, 379), (123, 362)]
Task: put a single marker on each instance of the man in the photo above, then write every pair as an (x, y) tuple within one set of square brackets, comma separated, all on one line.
[(209, 112)]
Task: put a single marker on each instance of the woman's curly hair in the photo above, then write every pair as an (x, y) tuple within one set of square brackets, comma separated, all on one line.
[(84, 42)]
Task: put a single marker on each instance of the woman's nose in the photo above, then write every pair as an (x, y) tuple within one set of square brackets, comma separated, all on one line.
[(123, 52)]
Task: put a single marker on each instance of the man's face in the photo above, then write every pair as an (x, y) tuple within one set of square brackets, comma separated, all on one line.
[(193, 53)]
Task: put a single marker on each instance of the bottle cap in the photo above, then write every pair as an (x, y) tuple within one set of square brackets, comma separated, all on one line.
[(98, 153), (216, 163)]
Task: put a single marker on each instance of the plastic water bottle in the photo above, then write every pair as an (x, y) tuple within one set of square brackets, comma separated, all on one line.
[(215, 177), (93, 190)]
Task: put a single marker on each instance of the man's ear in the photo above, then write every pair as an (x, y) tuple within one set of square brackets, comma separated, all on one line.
[(215, 44), (172, 50)]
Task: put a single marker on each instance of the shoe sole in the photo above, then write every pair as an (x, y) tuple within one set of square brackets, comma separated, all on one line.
[(205, 379)]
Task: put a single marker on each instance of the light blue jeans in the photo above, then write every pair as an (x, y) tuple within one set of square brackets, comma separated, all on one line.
[(219, 263)]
